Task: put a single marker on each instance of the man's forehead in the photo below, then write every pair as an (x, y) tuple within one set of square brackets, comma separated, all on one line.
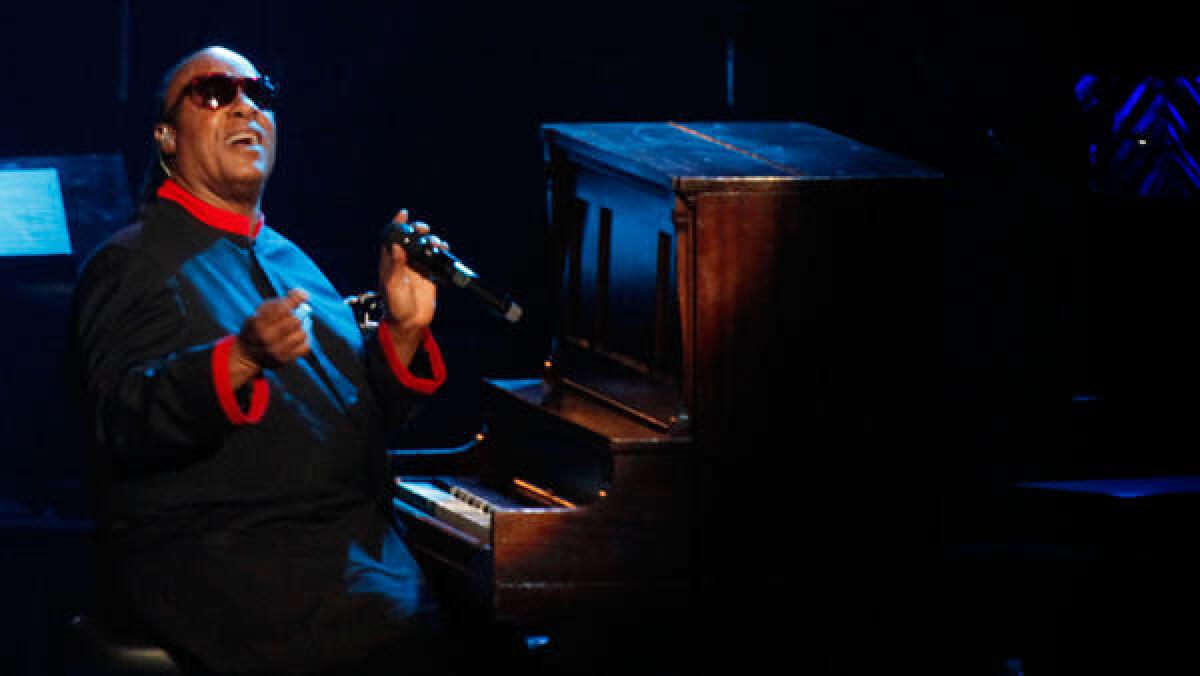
[(213, 60)]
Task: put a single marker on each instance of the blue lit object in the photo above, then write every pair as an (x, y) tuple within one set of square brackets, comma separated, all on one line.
[(536, 641), (1142, 487), (730, 65), (1084, 90), (33, 221), (1142, 141)]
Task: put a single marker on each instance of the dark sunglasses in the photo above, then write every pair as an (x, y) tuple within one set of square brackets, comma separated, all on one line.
[(217, 90)]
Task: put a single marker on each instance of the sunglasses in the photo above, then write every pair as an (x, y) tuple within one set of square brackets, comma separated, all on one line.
[(217, 90)]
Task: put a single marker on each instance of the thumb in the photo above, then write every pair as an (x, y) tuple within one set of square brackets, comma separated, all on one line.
[(295, 298)]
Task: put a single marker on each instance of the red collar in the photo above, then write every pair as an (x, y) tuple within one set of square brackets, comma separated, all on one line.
[(217, 217)]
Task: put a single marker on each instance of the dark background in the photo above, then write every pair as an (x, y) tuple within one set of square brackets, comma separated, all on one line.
[(1066, 341)]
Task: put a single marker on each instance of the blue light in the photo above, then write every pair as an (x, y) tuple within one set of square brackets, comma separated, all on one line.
[(1141, 487), (33, 220), (1085, 90), (1147, 149)]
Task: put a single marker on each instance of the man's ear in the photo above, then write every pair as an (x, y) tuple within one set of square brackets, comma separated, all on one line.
[(165, 136)]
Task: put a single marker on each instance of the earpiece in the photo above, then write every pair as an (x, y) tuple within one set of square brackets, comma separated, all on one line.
[(164, 134)]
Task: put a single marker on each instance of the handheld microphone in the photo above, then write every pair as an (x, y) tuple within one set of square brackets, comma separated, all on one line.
[(444, 267)]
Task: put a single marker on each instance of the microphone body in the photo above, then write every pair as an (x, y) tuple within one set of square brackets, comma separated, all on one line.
[(444, 267)]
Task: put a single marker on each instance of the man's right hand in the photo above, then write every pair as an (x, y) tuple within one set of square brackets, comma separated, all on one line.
[(274, 336)]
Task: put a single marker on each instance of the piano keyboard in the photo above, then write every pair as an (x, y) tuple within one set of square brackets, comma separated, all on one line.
[(471, 499), (456, 507)]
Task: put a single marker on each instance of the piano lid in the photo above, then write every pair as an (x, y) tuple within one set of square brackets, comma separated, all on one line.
[(693, 155)]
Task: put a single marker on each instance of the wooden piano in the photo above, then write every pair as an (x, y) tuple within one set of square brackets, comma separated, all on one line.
[(729, 298)]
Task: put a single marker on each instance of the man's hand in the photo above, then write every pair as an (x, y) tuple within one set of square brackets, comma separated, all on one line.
[(410, 297), (274, 336)]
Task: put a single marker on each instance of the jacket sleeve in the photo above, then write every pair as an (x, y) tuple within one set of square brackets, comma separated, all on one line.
[(149, 395), (402, 389)]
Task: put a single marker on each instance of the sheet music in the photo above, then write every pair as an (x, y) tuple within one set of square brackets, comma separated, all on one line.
[(33, 221)]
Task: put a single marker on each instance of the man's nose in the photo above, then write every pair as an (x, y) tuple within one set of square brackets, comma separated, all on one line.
[(243, 106)]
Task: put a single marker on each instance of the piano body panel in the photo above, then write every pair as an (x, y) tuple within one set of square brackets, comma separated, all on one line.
[(458, 565), (602, 557), (547, 562), (805, 301), (618, 334)]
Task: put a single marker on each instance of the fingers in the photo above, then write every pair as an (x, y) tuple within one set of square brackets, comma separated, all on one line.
[(276, 334), (437, 242), (280, 307), (421, 228), (408, 288), (295, 298), (395, 255), (391, 257), (280, 330)]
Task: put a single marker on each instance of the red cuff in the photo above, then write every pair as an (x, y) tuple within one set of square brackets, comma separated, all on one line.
[(406, 378), (260, 393)]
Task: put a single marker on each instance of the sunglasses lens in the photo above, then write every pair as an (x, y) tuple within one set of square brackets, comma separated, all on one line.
[(219, 90), (214, 91), (261, 91)]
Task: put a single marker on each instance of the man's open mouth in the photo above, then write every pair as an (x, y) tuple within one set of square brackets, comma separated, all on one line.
[(244, 138)]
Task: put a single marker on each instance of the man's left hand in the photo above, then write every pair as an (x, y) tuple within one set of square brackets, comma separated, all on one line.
[(410, 297)]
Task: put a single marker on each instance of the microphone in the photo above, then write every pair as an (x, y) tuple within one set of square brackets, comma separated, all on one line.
[(444, 267)]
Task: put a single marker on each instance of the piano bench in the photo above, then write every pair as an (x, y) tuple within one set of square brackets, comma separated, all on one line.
[(99, 649)]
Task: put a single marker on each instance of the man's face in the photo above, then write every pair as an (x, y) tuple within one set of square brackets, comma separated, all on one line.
[(229, 151)]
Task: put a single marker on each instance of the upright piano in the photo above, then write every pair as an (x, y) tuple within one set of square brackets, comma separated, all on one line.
[(730, 301)]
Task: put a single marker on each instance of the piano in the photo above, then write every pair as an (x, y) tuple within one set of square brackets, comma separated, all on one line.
[(729, 297)]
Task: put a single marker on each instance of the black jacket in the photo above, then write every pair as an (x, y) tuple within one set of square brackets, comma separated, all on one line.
[(244, 547)]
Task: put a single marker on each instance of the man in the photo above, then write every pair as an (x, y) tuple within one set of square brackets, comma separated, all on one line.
[(239, 414)]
